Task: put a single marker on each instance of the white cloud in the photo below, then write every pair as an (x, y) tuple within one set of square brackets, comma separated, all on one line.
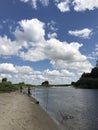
[(30, 30), (52, 35), (39, 49), (24, 69), (8, 47), (24, 1), (84, 33), (57, 73), (59, 76), (55, 49), (78, 5), (18, 73), (7, 67), (64, 6), (52, 73), (65, 57), (82, 5), (33, 54), (34, 2), (32, 38), (66, 73), (77, 67), (62, 55), (29, 75)]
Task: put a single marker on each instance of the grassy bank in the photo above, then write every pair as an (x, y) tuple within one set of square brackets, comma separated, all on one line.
[(7, 87)]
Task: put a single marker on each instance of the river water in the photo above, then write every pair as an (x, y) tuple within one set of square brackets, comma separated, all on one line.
[(72, 109)]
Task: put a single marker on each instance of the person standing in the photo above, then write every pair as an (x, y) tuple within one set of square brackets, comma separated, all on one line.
[(29, 91), (21, 89)]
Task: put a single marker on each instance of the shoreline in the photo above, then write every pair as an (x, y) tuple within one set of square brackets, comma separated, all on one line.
[(20, 112)]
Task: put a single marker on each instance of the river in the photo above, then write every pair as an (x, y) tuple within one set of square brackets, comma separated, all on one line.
[(72, 109)]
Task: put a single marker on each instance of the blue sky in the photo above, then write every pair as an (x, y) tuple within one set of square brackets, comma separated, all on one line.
[(54, 40)]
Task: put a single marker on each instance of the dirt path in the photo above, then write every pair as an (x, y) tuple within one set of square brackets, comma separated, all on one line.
[(20, 112)]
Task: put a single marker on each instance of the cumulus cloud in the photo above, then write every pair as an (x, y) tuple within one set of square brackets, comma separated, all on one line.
[(84, 33), (30, 30), (18, 73), (77, 67), (62, 73), (7, 67), (30, 44), (33, 54), (55, 49), (29, 75), (24, 69), (78, 5), (64, 6), (38, 48), (52, 73), (8, 47), (82, 5)]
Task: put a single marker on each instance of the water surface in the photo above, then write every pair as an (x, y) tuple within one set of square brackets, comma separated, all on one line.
[(73, 109)]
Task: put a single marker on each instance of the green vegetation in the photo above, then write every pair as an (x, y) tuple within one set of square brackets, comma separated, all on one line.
[(7, 86), (45, 83), (90, 83), (88, 80)]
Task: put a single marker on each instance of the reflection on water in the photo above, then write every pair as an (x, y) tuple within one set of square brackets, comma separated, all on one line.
[(74, 109)]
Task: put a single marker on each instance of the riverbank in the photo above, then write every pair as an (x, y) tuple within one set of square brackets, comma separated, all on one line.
[(20, 112)]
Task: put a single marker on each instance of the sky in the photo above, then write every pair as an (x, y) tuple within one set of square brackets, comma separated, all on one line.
[(54, 40)]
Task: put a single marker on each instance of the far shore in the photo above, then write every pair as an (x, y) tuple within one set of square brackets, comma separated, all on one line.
[(20, 112)]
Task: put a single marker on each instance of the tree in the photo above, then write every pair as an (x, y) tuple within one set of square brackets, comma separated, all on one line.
[(45, 83), (4, 80)]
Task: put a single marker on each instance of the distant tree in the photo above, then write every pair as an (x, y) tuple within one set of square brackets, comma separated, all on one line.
[(72, 83), (85, 75), (4, 80), (94, 73), (21, 83), (45, 83), (88, 80)]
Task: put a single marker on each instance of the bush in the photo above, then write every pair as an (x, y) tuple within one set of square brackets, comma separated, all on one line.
[(87, 83), (7, 87)]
